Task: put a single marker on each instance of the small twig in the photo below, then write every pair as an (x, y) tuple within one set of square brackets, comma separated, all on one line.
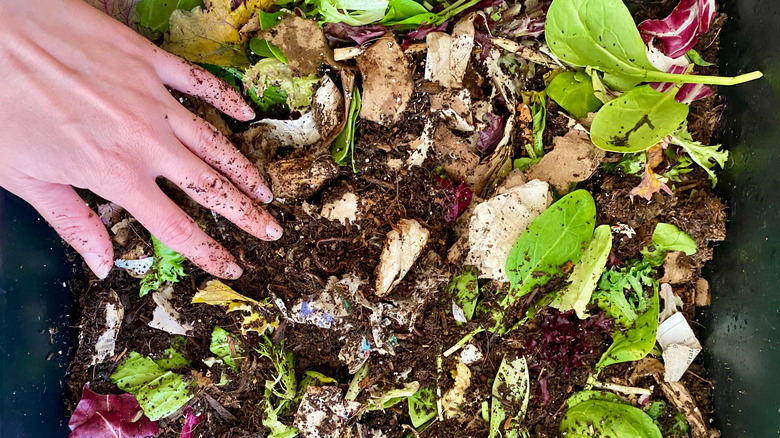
[(621, 388)]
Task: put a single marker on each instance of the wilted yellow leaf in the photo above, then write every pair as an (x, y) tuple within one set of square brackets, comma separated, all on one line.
[(212, 35), (217, 293)]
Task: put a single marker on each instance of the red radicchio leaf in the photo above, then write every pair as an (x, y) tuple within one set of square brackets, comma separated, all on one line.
[(613, 260), (688, 93), (679, 32), (191, 421), (421, 32), (109, 416), (542, 391), (459, 197), (344, 33), (492, 135)]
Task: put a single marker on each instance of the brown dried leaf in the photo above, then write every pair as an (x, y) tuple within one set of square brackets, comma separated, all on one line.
[(650, 184)]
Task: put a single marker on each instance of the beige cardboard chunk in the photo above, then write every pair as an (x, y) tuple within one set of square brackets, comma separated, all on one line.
[(387, 81), (302, 42)]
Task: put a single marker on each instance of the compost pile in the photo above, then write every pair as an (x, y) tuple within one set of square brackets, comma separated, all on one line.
[(495, 216)]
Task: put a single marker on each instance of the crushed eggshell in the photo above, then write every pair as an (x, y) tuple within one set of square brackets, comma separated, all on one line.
[(402, 248), (470, 354), (344, 209)]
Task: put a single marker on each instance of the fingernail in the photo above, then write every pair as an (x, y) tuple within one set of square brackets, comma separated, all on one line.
[(250, 113), (273, 231), (98, 266), (233, 271), (264, 194)]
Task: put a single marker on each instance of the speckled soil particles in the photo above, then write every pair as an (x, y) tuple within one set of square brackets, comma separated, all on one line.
[(419, 313)]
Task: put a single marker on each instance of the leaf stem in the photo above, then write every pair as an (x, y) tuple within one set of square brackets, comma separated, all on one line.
[(698, 79)]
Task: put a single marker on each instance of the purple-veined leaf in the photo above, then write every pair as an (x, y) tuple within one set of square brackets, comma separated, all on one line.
[(344, 33), (492, 135), (530, 24), (679, 32), (112, 415), (421, 32), (458, 197), (688, 93), (191, 421)]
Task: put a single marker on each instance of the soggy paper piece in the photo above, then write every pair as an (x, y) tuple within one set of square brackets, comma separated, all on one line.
[(402, 248), (679, 345), (497, 223), (165, 317), (344, 209), (106, 343), (323, 413)]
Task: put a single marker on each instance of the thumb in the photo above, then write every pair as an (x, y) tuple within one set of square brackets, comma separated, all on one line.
[(76, 223)]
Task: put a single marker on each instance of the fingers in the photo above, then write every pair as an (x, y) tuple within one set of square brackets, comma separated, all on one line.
[(168, 223), (205, 141), (213, 191), (76, 223), (195, 81)]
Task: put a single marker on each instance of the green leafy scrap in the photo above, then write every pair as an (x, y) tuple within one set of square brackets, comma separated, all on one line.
[(586, 273), (269, 79), (629, 164), (555, 237), (621, 292), (707, 157), (634, 343), (280, 392), (511, 389), (264, 49), (168, 266), (226, 346), (637, 120), (594, 414), (385, 399), (602, 35), (574, 92), (667, 237), (351, 12), (696, 58), (172, 358), (422, 407), (156, 14), (465, 288), (160, 392), (539, 119), (354, 385), (344, 144)]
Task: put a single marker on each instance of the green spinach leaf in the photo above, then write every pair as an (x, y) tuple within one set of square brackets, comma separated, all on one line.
[(574, 92), (555, 237), (586, 273), (671, 238), (637, 120), (159, 392)]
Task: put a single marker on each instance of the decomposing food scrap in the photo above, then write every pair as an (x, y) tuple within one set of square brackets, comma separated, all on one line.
[(491, 211)]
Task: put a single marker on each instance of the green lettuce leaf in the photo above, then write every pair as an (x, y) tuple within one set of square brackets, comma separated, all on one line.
[(705, 156), (159, 392), (586, 273), (510, 388), (593, 414), (168, 267), (155, 14), (220, 345), (269, 78)]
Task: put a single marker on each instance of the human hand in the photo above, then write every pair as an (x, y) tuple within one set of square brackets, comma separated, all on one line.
[(84, 104)]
